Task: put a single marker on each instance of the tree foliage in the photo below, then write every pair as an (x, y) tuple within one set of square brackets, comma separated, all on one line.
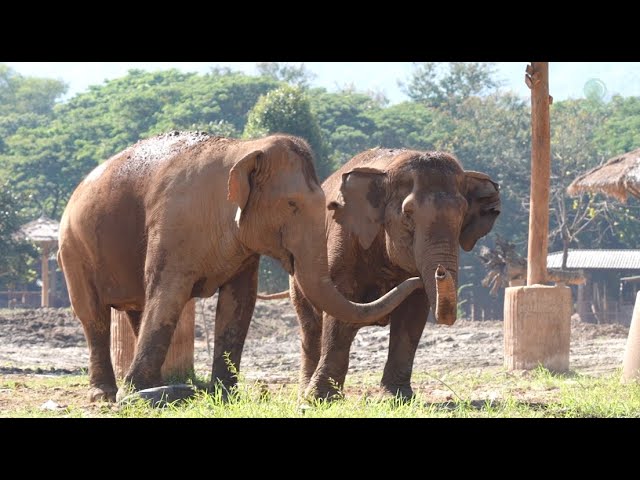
[(15, 256), (288, 110)]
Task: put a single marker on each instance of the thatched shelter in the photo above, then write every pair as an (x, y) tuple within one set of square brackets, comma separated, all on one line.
[(618, 177), (44, 233)]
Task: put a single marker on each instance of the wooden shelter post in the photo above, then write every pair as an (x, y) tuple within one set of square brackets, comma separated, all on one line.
[(537, 317), (46, 248), (538, 80)]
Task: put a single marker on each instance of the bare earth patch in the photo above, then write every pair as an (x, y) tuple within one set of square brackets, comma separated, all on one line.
[(45, 342)]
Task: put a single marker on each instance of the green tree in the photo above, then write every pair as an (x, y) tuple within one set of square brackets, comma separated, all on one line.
[(297, 75), (288, 110), (345, 122), (447, 85), (620, 131), (27, 95), (15, 256)]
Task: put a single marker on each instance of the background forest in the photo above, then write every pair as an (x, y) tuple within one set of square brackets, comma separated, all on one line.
[(48, 145)]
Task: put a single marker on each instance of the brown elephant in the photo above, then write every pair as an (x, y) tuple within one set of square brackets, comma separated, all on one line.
[(181, 215), (396, 213)]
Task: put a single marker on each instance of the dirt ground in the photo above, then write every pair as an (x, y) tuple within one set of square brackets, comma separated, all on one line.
[(51, 341)]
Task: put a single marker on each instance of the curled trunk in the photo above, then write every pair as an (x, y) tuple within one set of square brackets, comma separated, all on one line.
[(446, 301)]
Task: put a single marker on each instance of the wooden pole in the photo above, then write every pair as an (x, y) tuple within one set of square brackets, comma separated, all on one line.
[(538, 80), (45, 275)]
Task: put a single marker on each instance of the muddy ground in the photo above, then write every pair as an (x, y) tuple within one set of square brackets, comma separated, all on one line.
[(52, 341)]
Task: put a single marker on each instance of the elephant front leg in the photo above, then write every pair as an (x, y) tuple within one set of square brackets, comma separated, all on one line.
[(407, 323), (310, 321), (327, 381), (159, 319), (236, 301)]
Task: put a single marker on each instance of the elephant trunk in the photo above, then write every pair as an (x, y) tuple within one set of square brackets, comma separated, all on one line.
[(312, 275), (446, 301), (440, 272)]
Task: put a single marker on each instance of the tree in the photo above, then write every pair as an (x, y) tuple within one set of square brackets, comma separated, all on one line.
[(440, 85), (287, 110), (27, 95), (15, 256), (294, 75), (619, 131), (345, 122), (573, 125)]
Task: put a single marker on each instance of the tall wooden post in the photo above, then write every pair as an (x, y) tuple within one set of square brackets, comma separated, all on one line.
[(537, 317), (44, 302), (538, 80)]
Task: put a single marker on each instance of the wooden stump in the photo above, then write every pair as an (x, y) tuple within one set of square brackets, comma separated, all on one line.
[(631, 360), (179, 361), (537, 327)]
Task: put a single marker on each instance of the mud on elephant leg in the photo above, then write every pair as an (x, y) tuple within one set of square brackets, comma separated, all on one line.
[(236, 301), (327, 381), (407, 324), (310, 337), (102, 380)]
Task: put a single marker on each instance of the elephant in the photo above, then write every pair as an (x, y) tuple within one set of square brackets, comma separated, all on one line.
[(396, 213), (185, 214)]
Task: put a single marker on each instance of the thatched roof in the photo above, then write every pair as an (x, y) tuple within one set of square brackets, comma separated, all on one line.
[(41, 230), (617, 177)]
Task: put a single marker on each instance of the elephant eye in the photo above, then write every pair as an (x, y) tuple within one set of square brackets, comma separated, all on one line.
[(293, 205)]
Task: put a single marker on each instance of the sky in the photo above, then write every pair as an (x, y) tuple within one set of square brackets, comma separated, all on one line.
[(566, 79)]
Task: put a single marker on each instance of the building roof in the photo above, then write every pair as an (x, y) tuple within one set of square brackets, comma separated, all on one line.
[(617, 177), (41, 230), (597, 259)]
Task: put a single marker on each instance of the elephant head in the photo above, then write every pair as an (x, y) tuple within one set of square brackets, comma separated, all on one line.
[(281, 211), (426, 204)]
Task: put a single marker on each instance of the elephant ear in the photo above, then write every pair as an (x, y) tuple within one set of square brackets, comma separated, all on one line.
[(238, 184), (483, 196), (360, 205)]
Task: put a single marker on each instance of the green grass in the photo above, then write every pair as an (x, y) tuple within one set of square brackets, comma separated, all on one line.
[(463, 394)]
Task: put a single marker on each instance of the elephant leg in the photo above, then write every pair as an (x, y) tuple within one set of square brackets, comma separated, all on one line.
[(163, 307), (96, 323), (407, 323), (97, 330), (134, 318), (236, 301), (328, 380), (310, 335)]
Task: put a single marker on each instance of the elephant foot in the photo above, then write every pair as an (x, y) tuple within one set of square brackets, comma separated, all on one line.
[(102, 393), (324, 391), (400, 393)]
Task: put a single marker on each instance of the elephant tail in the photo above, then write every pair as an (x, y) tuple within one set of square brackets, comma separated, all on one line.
[(274, 296)]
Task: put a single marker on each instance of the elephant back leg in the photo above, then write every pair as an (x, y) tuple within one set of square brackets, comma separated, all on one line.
[(236, 302), (328, 379), (310, 321), (407, 324), (95, 318)]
